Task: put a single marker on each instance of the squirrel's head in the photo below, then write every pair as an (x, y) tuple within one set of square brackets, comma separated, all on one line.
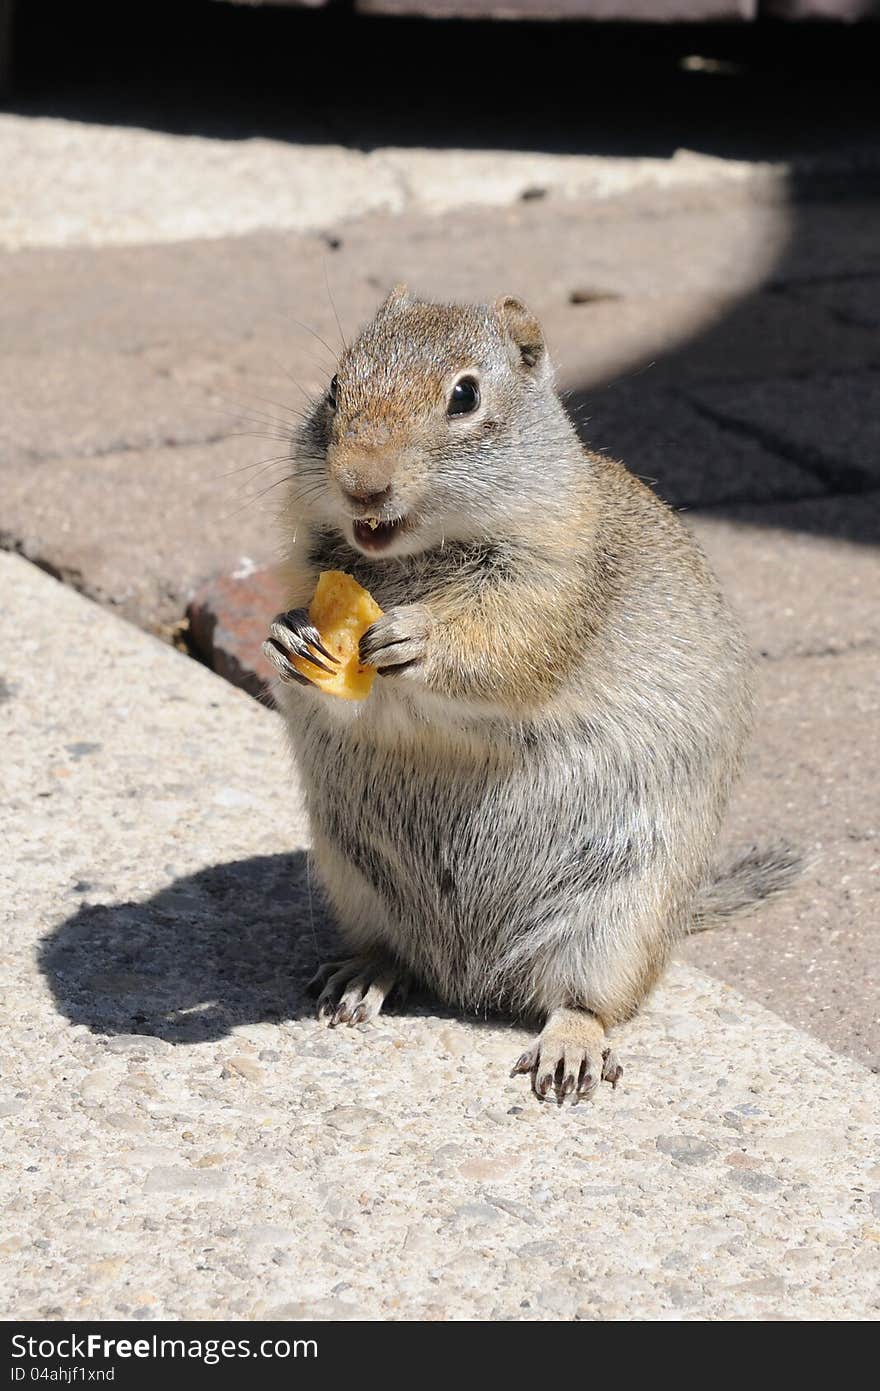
[(432, 428)]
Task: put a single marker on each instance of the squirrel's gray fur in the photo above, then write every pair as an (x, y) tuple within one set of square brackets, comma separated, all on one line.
[(521, 815)]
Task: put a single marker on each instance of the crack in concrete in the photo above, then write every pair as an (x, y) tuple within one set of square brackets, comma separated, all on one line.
[(784, 284), (835, 475), (845, 649), (844, 277), (104, 451), (67, 575), (848, 318), (851, 319)]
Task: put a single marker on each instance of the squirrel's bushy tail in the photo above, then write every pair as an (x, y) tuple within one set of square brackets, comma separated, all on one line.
[(742, 886)]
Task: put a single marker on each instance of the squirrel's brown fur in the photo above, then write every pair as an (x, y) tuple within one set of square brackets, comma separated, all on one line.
[(522, 813)]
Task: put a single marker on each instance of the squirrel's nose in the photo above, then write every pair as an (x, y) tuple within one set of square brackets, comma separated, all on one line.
[(369, 499)]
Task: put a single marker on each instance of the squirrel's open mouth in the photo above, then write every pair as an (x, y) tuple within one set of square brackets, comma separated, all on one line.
[(373, 535)]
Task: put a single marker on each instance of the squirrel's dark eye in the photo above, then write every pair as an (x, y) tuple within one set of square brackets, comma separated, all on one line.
[(465, 397), (331, 393)]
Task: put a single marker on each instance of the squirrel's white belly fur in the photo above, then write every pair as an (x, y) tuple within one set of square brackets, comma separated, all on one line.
[(480, 854)]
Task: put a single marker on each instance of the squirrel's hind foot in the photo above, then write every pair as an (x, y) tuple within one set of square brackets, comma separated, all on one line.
[(354, 991), (570, 1058)]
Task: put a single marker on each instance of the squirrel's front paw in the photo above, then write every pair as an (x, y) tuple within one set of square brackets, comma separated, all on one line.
[(293, 634), (398, 640)]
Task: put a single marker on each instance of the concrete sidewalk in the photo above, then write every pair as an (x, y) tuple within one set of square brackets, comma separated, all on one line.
[(183, 1140)]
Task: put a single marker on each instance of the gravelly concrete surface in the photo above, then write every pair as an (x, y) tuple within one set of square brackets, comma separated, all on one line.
[(183, 1140)]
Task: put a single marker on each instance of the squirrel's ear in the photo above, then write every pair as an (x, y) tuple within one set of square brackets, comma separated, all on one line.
[(398, 295), (522, 328)]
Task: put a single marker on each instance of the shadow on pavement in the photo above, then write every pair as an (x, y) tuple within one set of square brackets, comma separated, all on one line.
[(234, 944), (771, 415)]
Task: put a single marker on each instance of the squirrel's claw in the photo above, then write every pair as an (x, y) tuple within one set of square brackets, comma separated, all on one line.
[(355, 991), (282, 664), (314, 986), (292, 634), (554, 1065), (611, 1068), (526, 1062), (298, 635), (396, 640)]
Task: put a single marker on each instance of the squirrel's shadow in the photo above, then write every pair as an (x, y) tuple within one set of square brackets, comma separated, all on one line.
[(236, 943), (233, 944)]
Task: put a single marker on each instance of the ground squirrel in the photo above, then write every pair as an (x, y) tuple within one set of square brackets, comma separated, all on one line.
[(521, 815)]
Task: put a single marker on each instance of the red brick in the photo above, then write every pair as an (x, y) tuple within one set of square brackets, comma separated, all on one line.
[(228, 619)]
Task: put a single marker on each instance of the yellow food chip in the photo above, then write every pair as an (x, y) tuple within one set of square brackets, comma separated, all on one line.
[(342, 611)]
